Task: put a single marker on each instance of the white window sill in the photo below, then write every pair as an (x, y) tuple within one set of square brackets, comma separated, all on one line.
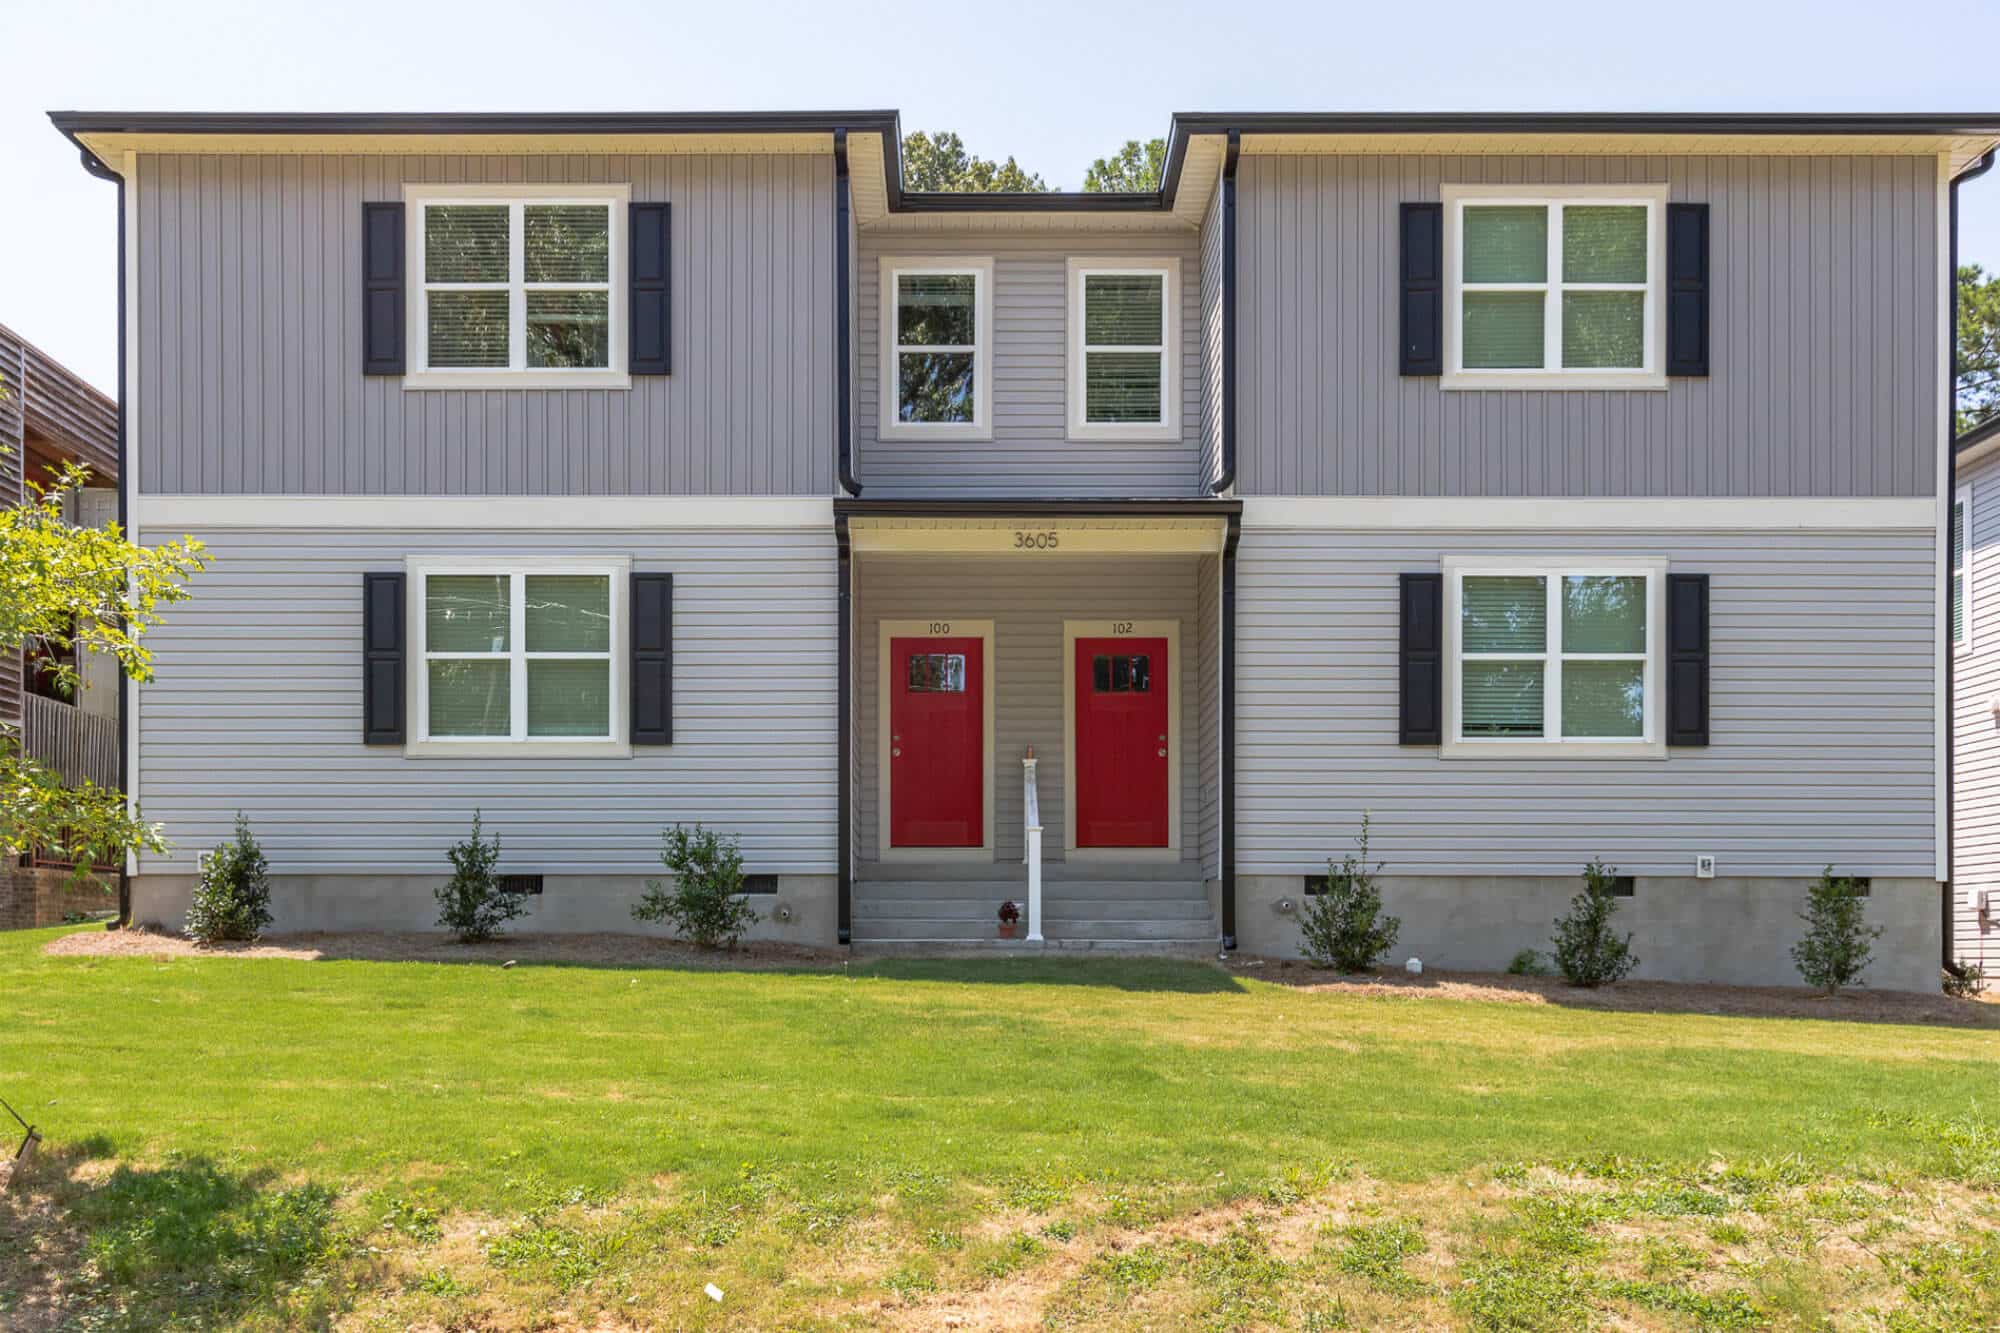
[(1082, 434), (940, 430), (508, 749), (1563, 381), (1516, 750), (517, 379)]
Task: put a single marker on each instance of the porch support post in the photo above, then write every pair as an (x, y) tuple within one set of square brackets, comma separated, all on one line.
[(1227, 758), (1032, 806), (844, 674)]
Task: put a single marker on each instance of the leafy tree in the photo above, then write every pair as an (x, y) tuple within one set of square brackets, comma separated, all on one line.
[(1587, 950), (1133, 169), (1345, 927), (1838, 942), (704, 899), (233, 900), (1978, 345), (66, 591), (939, 162)]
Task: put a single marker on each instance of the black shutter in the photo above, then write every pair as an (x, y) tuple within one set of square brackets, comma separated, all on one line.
[(648, 280), (1687, 289), (652, 659), (382, 289), (1423, 289), (1687, 659), (382, 623), (1422, 653)]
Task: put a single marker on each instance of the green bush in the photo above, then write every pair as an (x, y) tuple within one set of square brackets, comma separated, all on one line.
[(1530, 963), (1968, 983), (233, 899), (1588, 952), (471, 906), (1344, 927), (1838, 943), (704, 899)]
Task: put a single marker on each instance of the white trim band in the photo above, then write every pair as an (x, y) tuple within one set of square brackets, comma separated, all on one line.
[(1618, 514), (479, 513)]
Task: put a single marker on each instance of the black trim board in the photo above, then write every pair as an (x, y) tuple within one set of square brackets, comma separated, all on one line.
[(844, 743), (1037, 505), (1226, 839)]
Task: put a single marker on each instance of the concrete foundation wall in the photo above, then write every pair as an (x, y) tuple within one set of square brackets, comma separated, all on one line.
[(568, 904), (1736, 931)]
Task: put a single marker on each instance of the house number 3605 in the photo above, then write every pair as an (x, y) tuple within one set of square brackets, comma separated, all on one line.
[(1036, 541)]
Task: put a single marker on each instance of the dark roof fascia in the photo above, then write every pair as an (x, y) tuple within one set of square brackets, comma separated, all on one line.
[(1039, 505), (1978, 435), (1586, 122), (471, 122)]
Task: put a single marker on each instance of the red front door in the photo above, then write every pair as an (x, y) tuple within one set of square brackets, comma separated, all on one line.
[(937, 742), (1122, 755)]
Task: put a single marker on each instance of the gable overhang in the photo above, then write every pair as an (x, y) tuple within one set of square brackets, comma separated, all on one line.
[(1032, 529), (1978, 444)]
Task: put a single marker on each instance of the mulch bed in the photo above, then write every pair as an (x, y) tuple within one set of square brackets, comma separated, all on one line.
[(606, 950)]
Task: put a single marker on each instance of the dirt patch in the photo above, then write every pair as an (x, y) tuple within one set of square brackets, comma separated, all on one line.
[(418, 947), (1664, 997)]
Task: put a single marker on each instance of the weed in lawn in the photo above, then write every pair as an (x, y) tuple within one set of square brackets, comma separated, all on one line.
[(1500, 1295), (999, 1259), (1729, 1233), (1950, 1286), (944, 1242), (1721, 1313), (1376, 1252), (1062, 1231), (1961, 1148), (566, 1256), (912, 1281), (1035, 1196), (414, 1220), (440, 1282)]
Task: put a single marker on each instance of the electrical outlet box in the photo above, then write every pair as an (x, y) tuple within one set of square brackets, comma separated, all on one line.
[(1704, 866)]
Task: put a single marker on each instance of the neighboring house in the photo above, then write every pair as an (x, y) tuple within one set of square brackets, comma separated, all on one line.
[(1544, 487), (49, 418), (1975, 712)]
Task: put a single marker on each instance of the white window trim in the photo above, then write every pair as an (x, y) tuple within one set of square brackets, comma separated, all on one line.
[(617, 745), (1962, 501), (517, 374), (1652, 745), (1652, 375), (1168, 428), (980, 269)]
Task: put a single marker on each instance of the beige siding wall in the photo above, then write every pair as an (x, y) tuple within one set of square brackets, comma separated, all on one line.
[(249, 377)]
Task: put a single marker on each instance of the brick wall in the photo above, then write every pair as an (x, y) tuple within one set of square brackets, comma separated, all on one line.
[(42, 897)]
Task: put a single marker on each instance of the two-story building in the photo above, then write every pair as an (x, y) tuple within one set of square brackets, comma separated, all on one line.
[(1545, 488)]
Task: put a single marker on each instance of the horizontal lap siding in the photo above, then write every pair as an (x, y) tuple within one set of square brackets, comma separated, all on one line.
[(1976, 732), (248, 301), (1824, 345), (1028, 606), (1822, 689), (1208, 590), (257, 707), (1028, 454)]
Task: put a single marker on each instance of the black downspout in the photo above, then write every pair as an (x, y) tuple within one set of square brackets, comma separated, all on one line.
[(96, 167), (843, 369), (1951, 964), (1227, 477), (843, 712), (1228, 648)]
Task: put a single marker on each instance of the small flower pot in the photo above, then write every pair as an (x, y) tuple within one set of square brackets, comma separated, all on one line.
[(1006, 930)]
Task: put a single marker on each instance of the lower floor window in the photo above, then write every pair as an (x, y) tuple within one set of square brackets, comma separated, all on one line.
[(520, 654), (1547, 655)]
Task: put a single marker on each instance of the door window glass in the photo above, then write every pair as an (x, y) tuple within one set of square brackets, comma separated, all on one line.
[(1122, 673), (937, 673)]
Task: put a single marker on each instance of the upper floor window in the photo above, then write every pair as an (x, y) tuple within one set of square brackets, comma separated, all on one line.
[(1123, 349), (518, 285), (937, 338), (1553, 656), (1554, 286)]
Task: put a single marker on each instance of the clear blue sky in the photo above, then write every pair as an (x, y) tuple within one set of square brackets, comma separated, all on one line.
[(1055, 84)]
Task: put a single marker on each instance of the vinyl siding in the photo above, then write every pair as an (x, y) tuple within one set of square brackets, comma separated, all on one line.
[(1822, 696), (1208, 616), (12, 462), (249, 377), (1824, 346), (1211, 341), (1976, 731), (1028, 608), (1028, 454), (257, 706)]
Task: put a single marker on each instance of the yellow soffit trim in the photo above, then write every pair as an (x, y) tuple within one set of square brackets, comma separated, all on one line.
[(1036, 537), (1964, 150), (112, 147)]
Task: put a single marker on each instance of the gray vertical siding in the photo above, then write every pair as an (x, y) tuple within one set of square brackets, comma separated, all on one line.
[(1211, 341), (257, 707), (249, 378), (1822, 699), (1028, 454), (1975, 861), (1027, 607), (1824, 352)]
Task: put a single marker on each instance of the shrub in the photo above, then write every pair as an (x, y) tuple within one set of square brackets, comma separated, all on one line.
[(704, 899), (233, 899), (471, 906), (1588, 952), (1530, 963), (1344, 927), (1838, 943), (1968, 983)]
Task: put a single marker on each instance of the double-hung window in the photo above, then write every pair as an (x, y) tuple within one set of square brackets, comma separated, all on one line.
[(937, 339), (1554, 287), (1961, 614), (1557, 656), (526, 654), (517, 286), (1123, 349)]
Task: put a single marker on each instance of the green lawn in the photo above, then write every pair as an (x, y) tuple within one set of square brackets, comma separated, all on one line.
[(329, 1139)]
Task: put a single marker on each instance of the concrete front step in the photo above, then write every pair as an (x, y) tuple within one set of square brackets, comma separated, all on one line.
[(998, 872), (1054, 908), (934, 928), (864, 948), (993, 890)]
